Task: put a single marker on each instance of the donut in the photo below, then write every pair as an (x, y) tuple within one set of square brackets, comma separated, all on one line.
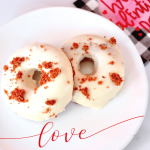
[(54, 92), (95, 89)]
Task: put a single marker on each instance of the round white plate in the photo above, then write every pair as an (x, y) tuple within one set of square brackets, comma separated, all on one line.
[(55, 25)]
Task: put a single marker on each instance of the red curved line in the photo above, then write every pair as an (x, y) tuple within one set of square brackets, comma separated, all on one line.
[(29, 136), (112, 126), (81, 138), (19, 138)]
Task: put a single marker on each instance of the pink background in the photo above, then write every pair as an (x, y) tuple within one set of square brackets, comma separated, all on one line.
[(131, 5)]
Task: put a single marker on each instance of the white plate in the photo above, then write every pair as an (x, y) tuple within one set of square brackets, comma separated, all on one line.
[(55, 25)]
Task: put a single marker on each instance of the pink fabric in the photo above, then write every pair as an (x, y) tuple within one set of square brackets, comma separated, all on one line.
[(127, 13)]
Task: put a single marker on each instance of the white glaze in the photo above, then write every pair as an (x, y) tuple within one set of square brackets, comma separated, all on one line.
[(99, 94), (59, 89)]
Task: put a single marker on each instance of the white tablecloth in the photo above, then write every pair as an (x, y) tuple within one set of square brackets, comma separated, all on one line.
[(10, 9)]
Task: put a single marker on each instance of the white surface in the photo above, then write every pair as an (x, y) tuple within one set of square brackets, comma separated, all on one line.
[(141, 48), (44, 26), (92, 4), (10, 9)]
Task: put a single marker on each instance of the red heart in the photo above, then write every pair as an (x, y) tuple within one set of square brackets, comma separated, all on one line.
[(137, 29), (140, 34), (104, 12)]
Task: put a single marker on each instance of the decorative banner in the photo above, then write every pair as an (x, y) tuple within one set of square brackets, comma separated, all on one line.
[(134, 14), (127, 13)]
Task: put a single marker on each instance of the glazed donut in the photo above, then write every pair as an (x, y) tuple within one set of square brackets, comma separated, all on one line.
[(96, 89), (56, 82)]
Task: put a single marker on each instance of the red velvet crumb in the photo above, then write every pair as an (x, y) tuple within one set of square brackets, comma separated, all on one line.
[(35, 89), (27, 58), (112, 40), (52, 115), (85, 48), (83, 80), (103, 46), (18, 95), (5, 68), (19, 75), (88, 78), (100, 82), (6, 92), (85, 92), (75, 88), (45, 87), (44, 78), (50, 102), (40, 66), (47, 65), (115, 77), (55, 72), (47, 110), (75, 45), (16, 62), (111, 63)]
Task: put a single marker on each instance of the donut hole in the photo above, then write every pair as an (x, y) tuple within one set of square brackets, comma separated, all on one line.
[(86, 66), (37, 77)]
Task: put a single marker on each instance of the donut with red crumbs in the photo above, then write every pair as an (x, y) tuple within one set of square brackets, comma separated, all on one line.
[(95, 89), (46, 99)]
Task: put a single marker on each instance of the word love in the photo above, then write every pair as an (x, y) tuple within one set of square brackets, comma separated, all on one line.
[(56, 134), (127, 13)]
